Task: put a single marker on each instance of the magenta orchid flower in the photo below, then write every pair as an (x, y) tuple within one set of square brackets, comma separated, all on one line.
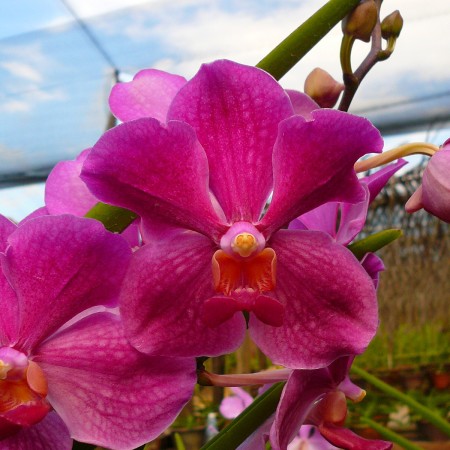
[(230, 138), (306, 439), (343, 221), (318, 397), (434, 193), (66, 369)]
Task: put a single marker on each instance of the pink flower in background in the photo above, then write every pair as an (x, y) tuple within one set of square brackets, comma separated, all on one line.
[(66, 369), (200, 183), (434, 193)]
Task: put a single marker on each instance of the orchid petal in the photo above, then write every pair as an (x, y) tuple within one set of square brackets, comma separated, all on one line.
[(61, 265), (50, 433), (330, 302), (323, 218), (65, 192), (373, 265), (235, 111), (415, 202), (345, 438), (231, 406), (155, 171), (149, 94), (302, 103), (163, 296), (126, 398), (313, 163), (376, 181), (257, 440), (6, 228), (302, 390)]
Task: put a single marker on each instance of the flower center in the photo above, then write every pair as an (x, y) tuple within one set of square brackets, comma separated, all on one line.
[(244, 274), (23, 391)]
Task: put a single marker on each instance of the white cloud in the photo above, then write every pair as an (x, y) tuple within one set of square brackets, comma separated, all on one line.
[(23, 70)]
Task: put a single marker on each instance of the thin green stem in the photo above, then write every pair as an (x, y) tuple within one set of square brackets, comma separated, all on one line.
[(423, 411), (292, 49), (390, 435)]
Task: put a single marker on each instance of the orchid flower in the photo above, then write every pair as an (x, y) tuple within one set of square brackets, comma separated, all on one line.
[(343, 221), (306, 439), (66, 369), (318, 397), (434, 193), (199, 178)]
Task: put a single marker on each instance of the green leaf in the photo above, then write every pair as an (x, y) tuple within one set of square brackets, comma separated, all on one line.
[(374, 242), (290, 51), (114, 219), (248, 421)]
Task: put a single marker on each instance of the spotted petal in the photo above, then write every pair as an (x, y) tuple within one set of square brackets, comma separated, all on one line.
[(330, 302), (235, 111), (106, 392), (163, 295)]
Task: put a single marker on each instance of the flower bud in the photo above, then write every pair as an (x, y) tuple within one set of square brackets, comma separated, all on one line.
[(392, 25), (323, 88), (361, 21)]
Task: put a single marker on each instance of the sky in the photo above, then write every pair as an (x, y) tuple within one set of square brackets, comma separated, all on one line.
[(54, 82)]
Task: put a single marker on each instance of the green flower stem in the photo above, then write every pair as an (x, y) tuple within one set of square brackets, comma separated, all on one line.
[(290, 51), (248, 421), (390, 435), (374, 242), (423, 411), (114, 219)]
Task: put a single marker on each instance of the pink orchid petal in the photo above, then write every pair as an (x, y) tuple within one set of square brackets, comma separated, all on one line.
[(302, 390), (436, 185), (235, 110), (163, 295), (6, 228), (58, 266), (373, 265), (126, 397), (303, 104), (231, 406), (219, 309), (313, 163), (43, 211), (376, 181), (149, 94), (65, 192), (323, 218), (330, 301), (415, 202), (50, 433), (156, 171), (345, 438)]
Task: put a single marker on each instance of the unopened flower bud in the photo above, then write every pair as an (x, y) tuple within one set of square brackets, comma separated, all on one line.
[(392, 25), (323, 88), (361, 21)]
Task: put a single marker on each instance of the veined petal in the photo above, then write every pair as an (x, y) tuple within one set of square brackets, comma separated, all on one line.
[(323, 218), (235, 110), (313, 163), (149, 94), (373, 265), (154, 170), (163, 296), (51, 432), (126, 398), (59, 266), (330, 302)]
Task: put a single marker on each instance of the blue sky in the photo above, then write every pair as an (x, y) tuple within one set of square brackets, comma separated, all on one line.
[(54, 83)]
